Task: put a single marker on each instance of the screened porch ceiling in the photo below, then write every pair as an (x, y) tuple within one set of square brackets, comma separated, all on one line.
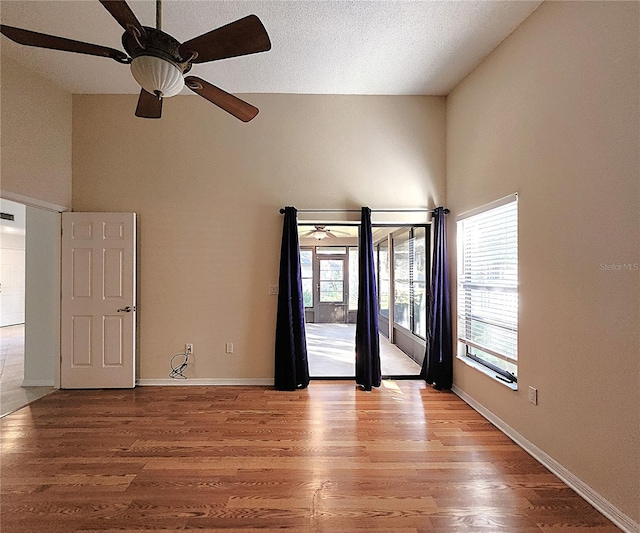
[(339, 234)]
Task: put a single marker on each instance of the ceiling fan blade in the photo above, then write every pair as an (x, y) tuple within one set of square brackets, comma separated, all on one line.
[(42, 40), (121, 11), (229, 103), (239, 38), (149, 106), (329, 234)]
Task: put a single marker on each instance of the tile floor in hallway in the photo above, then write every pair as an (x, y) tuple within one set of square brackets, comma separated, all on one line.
[(13, 395), (331, 353)]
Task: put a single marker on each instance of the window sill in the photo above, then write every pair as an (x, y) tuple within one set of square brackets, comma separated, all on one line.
[(487, 372)]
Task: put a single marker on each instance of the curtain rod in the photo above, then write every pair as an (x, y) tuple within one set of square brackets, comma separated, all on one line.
[(446, 211)]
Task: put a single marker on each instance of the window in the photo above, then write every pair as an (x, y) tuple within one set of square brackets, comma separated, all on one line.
[(306, 268), (331, 280), (420, 282), (402, 279), (488, 287), (410, 279), (382, 269), (353, 278), (331, 250)]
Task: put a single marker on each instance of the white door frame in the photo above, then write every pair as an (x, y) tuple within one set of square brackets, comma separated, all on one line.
[(42, 306)]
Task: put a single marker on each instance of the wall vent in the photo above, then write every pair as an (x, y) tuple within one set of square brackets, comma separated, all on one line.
[(7, 216)]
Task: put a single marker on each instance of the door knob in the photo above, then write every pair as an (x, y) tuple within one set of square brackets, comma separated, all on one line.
[(125, 309)]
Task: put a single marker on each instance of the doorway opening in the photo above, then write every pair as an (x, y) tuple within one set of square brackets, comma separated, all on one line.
[(15, 391), (329, 267)]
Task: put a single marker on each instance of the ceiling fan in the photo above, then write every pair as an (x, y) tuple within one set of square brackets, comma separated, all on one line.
[(321, 232), (158, 61)]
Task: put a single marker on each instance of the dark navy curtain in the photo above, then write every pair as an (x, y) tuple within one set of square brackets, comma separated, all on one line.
[(367, 341), (437, 367), (291, 365)]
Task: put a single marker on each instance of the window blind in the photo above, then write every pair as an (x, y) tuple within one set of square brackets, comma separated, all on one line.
[(488, 285)]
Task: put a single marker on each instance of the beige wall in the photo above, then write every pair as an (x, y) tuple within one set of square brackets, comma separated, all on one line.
[(207, 189), (553, 115), (35, 138)]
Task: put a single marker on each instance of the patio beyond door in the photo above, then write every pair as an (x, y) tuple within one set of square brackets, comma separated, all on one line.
[(331, 290), (330, 284)]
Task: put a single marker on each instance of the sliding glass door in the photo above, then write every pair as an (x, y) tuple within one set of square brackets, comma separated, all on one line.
[(402, 268), (329, 268)]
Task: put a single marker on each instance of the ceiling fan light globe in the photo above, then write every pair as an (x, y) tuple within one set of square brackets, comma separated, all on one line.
[(157, 76), (319, 235)]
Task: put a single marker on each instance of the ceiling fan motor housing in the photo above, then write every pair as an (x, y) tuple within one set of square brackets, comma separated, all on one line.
[(156, 65)]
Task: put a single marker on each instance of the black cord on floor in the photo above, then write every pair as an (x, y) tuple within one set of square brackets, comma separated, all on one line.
[(177, 371)]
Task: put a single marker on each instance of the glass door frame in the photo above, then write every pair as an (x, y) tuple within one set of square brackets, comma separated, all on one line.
[(405, 338)]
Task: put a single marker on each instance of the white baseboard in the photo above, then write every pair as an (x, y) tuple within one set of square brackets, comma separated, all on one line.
[(168, 382), (620, 519), (37, 383)]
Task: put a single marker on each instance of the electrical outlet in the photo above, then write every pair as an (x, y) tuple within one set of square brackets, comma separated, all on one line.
[(229, 347), (533, 395), (273, 289), (188, 348)]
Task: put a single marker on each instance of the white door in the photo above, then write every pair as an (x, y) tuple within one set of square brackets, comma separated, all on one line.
[(98, 300)]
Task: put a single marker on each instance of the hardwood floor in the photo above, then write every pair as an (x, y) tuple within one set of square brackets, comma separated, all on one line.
[(403, 458)]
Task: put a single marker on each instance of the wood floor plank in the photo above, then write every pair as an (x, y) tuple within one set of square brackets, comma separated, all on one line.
[(401, 459)]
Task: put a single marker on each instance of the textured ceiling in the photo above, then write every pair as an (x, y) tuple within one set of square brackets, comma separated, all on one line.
[(318, 47)]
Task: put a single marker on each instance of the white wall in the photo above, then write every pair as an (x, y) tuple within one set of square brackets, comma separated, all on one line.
[(42, 327), (553, 114)]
